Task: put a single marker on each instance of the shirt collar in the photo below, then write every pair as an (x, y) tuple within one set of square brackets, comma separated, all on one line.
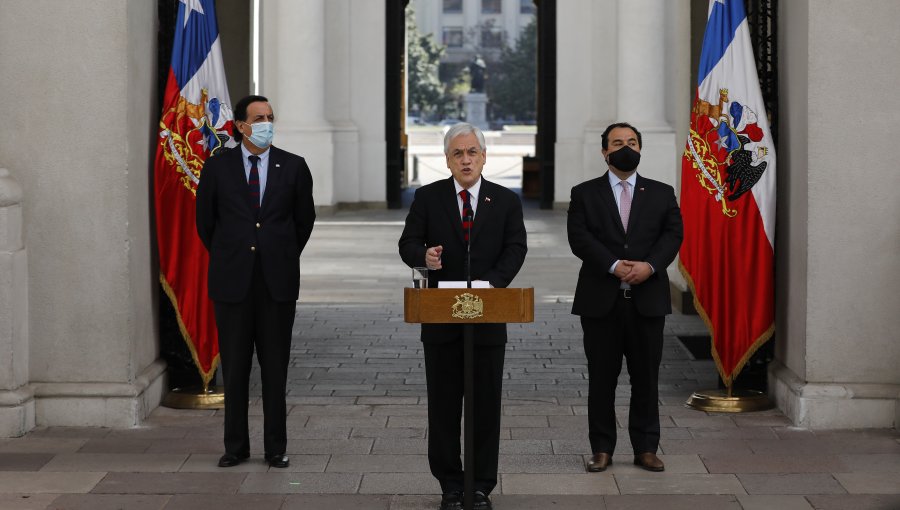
[(246, 154), (472, 191), (613, 179)]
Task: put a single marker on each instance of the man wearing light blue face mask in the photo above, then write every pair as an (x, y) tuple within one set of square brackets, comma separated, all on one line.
[(255, 213)]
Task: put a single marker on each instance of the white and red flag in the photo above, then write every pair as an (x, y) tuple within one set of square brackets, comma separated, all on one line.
[(728, 194), (195, 123)]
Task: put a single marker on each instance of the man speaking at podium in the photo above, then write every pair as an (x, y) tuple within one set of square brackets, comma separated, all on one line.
[(445, 219)]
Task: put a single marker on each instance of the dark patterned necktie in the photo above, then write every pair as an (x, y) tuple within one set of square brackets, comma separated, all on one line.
[(253, 181), (467, 214)]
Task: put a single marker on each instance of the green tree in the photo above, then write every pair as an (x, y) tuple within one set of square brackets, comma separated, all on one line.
[(512, 85), (425, 93)]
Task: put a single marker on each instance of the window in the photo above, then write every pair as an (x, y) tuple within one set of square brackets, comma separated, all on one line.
[(526, 6), (453, 37), (490, 6), (491, 38), (452, 6)]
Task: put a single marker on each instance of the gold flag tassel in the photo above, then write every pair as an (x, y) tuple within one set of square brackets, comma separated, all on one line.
[(193, 397)]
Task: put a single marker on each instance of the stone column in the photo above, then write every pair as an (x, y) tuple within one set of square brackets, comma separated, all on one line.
[(93, 353), (293, 77), (339, 76), (16, 396), (837, 321), (642, 83)]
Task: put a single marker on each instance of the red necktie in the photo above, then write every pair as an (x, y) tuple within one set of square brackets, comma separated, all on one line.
[(467, 214)]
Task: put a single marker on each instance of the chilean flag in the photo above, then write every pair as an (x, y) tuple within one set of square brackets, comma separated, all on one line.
[(728, 195), (195, 123)]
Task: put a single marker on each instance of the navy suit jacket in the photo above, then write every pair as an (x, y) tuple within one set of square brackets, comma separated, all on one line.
[(498, 245), (597, 237), (235, 233)]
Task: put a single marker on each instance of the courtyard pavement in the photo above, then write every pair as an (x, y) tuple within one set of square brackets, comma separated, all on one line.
[(357, 416)]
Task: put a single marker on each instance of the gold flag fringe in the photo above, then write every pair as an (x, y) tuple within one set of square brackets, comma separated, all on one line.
[(728, 379), (205, 376)]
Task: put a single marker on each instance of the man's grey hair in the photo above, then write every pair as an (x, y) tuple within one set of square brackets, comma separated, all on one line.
[(462, 128)]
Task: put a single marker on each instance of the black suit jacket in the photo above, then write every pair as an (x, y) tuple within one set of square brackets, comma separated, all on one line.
[(235, 233), (597, 237), (498, 243)]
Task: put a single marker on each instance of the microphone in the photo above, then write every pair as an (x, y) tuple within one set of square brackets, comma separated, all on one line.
[(467, 221)]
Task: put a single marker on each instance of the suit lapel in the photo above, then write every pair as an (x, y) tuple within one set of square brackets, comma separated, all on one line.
[(236, 173), (483, 208), (273, 177), (606, 194), (637, 201)]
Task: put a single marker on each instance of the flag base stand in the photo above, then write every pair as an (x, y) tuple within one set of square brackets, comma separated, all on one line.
[(195, 397), (733, 401)]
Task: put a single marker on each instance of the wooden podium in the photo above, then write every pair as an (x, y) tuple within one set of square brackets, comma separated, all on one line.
[(468, 307)]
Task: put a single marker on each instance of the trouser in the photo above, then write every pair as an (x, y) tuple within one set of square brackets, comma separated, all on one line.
[(606, 339), (261, 322), (444, 377)]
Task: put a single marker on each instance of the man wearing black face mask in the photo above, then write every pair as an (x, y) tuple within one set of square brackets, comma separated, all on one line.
[(626, 229)]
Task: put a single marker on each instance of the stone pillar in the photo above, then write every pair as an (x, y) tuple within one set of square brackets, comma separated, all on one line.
[(79, 138), (837, 303), (642, 83), (620, 61), (339, 75), (293, 77), (16, 396)]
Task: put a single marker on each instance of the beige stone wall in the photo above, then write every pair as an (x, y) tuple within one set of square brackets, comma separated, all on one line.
[(77, 135), (839, 219)]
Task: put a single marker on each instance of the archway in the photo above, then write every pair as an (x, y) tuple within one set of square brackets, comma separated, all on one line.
[(541, 183)]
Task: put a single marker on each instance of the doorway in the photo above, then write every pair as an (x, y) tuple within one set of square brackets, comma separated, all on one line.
[(537, 169)]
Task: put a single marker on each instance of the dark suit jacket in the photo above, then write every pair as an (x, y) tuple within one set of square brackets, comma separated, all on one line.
[(234, 232), (498, 245), (597, 237)]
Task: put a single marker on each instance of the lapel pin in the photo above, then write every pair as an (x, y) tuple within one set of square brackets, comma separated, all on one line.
[(278, 165), (641, 189), (487, 199)]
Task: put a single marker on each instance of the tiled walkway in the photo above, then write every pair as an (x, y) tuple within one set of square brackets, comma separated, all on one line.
[(357, 422)]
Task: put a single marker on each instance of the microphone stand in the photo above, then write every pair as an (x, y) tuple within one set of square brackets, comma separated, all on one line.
[(469, 389), (468, 221)]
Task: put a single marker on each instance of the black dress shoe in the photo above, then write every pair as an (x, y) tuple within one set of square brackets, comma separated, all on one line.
[(452, 501), (230, 459), (278, 461), (482, 501)]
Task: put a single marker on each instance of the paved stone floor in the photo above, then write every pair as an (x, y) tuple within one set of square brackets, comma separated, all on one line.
[(357, 417)]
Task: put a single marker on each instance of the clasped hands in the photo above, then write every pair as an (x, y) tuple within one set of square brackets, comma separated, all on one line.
[(633, 272)]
